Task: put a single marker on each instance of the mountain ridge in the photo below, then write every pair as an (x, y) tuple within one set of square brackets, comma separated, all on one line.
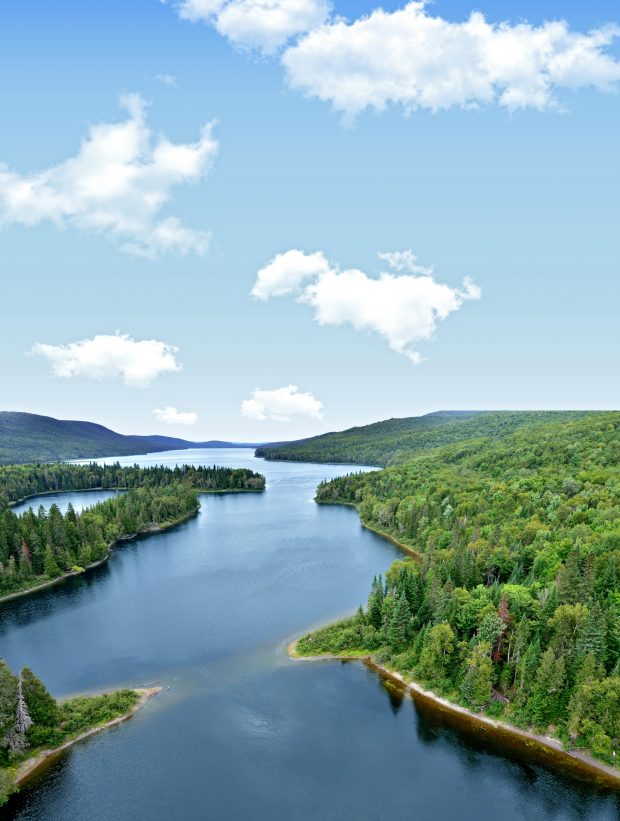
[(30, 437)]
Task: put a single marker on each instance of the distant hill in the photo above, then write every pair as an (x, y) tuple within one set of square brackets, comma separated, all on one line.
[(395, 440), (28, 437)]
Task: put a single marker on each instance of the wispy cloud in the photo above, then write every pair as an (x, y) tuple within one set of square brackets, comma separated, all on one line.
[(403, 308), (280, 404), (168, 80), (116, 185), (117, 356), (172, 416)]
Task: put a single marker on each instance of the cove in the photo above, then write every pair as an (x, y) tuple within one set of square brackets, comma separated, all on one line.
[(240, 731)]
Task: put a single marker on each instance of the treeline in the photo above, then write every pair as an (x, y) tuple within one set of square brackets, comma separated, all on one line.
[(398, 440), (31, 719), (39, 547), (20, 481), (514, 608)]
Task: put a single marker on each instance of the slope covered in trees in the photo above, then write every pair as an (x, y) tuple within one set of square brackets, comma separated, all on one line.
[(396, 440), (28, 437), (514, 606), (31, 719)]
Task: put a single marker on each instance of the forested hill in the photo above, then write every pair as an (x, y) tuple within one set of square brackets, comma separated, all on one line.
[(28, 437), (395, 440), (514, 606)]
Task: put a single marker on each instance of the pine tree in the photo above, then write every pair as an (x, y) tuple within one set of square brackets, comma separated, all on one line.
[(399, 624)]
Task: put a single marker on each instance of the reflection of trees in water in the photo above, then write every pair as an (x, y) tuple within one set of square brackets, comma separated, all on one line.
[(395, 693), (551, 791), (42, 603)]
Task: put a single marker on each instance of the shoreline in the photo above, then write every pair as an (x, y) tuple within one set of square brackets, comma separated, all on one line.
[(32, 766), (122, 490), (388, 538), (548, 749), (70, 574)]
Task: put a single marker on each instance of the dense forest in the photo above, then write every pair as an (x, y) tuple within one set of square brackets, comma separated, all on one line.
[(396, 440), (31, 719), (514, 605), (39, 547), (20, 481)]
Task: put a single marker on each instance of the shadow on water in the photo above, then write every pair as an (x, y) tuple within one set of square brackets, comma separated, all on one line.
[(475, 745)]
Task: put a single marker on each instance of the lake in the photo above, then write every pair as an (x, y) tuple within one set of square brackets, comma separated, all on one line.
[(241, 731)]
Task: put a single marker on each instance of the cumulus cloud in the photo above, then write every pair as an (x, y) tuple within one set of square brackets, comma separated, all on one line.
[(280, 404), (410, 58), (117, 356), (262, 24), (116, 185), (404, 308), (285, 273), (172, 416)]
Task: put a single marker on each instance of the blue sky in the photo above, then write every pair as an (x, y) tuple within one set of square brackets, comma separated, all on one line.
[(526, 203)]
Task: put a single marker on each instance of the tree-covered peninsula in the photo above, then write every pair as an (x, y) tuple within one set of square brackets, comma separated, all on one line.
[(513, 607), (31, 720), (40, 547), (18, 482)]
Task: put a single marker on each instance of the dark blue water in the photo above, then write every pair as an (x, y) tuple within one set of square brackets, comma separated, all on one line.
[(243, 732)]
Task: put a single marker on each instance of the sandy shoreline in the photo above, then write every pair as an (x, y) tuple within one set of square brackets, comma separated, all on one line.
[(578, 762), (29, 768)]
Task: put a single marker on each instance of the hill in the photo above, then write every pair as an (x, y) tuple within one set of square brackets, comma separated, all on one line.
[(512, 607), (28, 437), (393, 440)]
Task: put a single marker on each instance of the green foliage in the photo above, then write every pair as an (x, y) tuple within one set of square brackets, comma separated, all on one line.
[(515, 603), (21, 481), (50, 724), (478, 680), (38, 547), (397, 440)]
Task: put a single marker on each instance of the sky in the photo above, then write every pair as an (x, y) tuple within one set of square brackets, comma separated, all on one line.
[(265, 219)]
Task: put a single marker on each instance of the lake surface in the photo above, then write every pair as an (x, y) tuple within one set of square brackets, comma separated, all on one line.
[(241, 731)]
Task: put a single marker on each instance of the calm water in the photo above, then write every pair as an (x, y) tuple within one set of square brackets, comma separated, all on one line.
[(241, 732)]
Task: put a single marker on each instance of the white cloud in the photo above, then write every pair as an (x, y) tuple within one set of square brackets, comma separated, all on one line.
[(171, 416), (263, 24), (405, 261), (116, 184), (136, 362), (166, 79), (413, 59), (285, 273), (280, 404), (404, 309)]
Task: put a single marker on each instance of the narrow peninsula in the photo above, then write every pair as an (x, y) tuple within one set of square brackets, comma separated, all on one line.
[(35, 728), (40, 549)]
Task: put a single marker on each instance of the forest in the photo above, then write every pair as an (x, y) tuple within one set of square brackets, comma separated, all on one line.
[(21, 481), (39, 547), (513, 607), (31, 719), (396, 440)]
